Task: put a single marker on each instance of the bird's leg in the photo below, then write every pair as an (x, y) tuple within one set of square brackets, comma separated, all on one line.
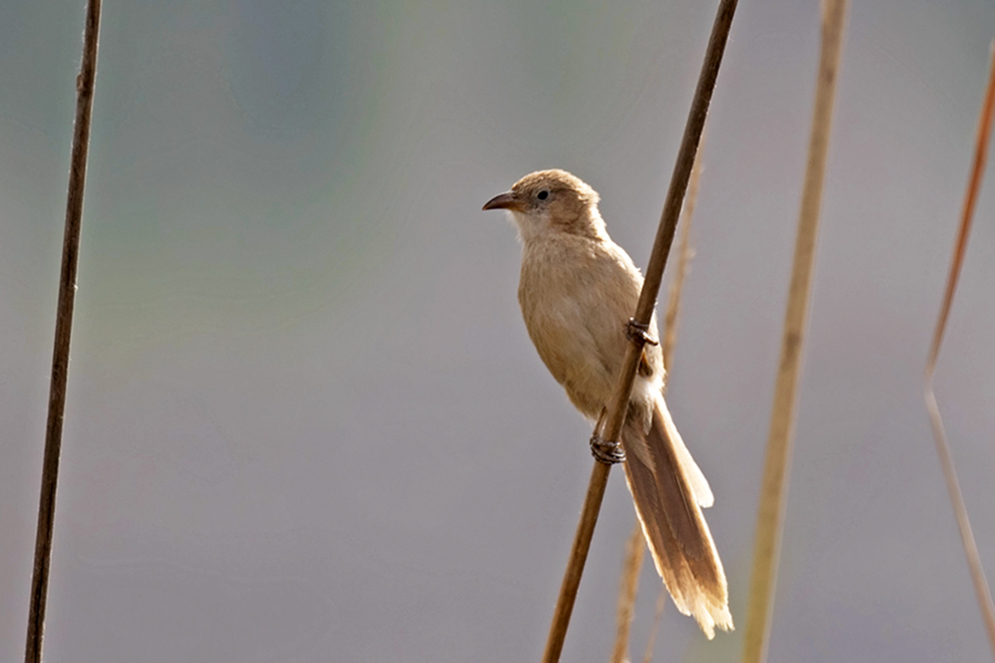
[(604, 451), (639, 333)]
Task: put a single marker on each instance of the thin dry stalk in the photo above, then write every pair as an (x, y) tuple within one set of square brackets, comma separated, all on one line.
[(635, 550), (635, 547), (661, 603), (644, 311), (775, 479), (63, 333), (683, 263), (939, 435)]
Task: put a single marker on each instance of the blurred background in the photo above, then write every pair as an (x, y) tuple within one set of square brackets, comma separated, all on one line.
[(305, 422)]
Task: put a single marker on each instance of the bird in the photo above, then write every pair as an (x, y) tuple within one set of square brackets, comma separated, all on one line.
[(578, 290)]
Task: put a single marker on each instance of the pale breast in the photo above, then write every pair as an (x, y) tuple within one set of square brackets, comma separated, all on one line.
[(576, 296)]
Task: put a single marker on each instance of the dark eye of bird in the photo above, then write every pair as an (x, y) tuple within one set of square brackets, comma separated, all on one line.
[(542, 195)]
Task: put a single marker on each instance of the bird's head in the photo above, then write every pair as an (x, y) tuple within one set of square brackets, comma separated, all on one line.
[(551, 201)]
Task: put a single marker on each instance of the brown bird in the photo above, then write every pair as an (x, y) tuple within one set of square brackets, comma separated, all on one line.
[(578, 290)]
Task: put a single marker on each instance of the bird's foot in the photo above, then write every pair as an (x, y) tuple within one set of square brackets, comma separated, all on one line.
[(606, 452), (639, 332)]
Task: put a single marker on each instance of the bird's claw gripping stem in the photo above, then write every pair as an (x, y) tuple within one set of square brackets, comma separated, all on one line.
[(606, 452), (639, 332)]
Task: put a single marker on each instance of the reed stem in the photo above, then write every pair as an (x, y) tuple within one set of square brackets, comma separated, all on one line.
[(774, 487), (981, 590), (644, 311), (63, 334)]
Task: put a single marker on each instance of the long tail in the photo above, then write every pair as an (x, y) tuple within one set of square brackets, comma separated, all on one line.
[(668, 489)]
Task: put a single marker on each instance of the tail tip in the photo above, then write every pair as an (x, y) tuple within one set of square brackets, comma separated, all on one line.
[(714, 618)]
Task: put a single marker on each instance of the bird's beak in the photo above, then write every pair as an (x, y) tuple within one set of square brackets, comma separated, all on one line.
[(506, 200)]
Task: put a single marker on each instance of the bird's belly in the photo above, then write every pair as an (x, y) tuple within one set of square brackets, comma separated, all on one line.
[(561, 332)]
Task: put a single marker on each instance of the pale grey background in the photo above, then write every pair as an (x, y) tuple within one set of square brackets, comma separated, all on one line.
[(305, 422)]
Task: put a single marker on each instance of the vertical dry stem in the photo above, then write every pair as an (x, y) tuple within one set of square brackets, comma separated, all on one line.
[(644, 310), (661, 603), (63, 332), (685, 253), (939, 435), (775, 479), (635, 550)]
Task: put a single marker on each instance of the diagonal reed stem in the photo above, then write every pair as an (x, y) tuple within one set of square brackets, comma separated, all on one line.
[(635, 547), (770, 516), (63, 333), (939, 435), (644, 311)]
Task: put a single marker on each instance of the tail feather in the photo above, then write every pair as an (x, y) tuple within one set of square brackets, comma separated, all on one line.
[(696, 478), (666, 488)]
